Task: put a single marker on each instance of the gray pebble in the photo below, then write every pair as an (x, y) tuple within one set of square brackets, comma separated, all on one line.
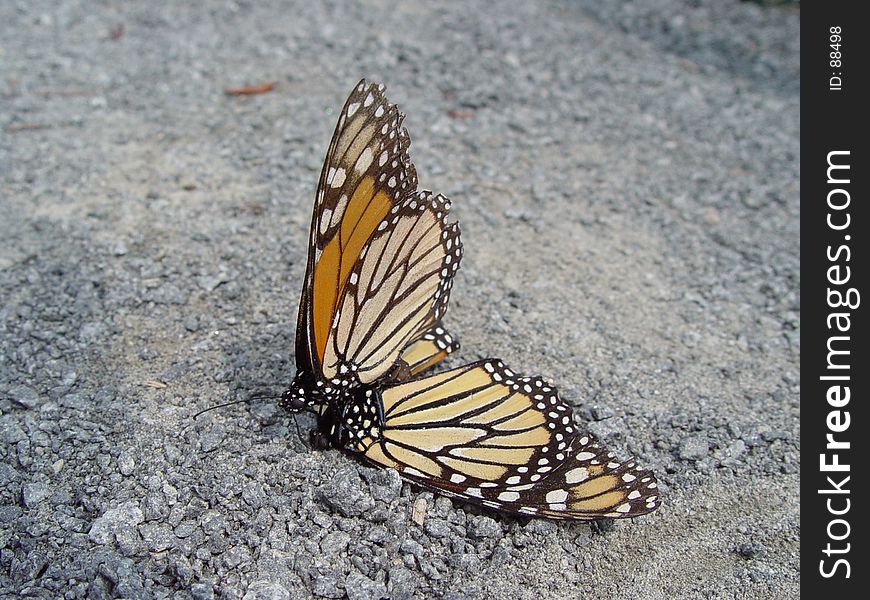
[(600, 412), (344, 493), (413, 548), (32, 494), (470, 563), (266, 590), (612, 428), (126, 463), (437, 528), (732, 455), (168, 293), (360, 587), (24, 396), (212, 439), (750, 549), (113, 520), (377, 534), (483, 527), (157, 537), (385, 484), (401, 583), (327, 586), (202, 591), (694, 447), (334, 543)]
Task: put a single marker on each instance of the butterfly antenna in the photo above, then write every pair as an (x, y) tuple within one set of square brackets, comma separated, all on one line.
[(216, 406), (260, 395)]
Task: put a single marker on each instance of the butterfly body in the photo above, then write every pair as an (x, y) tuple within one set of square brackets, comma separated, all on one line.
[(381, 262)]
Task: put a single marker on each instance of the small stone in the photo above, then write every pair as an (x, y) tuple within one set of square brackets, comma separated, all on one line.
[(24, 396), (730, 456), (541, 527), (183, 569), (500, 556), (322, 519), (360, 587), (157, 537), (236, 556), (168, 293), (413, 548), (185, 529), (377, 534), (470, 563), (401, 583), (385, 484), (209, 283), (433, 569), (202, 591), (212, 439), (334, 543), (128, 540), (75, 401), (126, 463), (418, 511), (266, 590), (69, 377), (378, 515), (769, 436), (344, 494), (694, 448), (484, 527), (437, 528), (749, 549), (8, 474), (327, 586), (610, 428), (22, 451), (601, 412), (114, 520), (33, 494)]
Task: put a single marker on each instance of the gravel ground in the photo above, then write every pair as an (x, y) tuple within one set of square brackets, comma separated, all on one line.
[(626, 176)]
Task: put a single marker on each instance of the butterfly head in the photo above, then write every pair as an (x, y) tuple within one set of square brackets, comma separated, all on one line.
[(301, 395)]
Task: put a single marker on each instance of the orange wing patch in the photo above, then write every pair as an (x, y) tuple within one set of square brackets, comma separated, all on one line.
[(367, 171), (365, 211)]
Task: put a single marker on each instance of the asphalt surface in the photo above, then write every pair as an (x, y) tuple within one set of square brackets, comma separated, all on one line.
[(626, 178)]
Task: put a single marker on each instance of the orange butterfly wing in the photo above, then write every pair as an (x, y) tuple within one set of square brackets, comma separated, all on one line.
[(382, 256), (491, 437), (366, 172)]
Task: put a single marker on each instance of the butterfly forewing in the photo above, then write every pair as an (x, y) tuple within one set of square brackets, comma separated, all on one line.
[(367, 171), (491, 437)]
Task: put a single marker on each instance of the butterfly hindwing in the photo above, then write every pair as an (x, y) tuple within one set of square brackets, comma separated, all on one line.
[(397, 290), (486, 435), (430, 348)]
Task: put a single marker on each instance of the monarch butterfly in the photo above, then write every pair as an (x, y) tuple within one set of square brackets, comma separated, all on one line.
[(381, 262)]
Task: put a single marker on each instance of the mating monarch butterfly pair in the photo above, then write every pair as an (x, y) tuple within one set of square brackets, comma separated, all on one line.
[(381, 261)]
